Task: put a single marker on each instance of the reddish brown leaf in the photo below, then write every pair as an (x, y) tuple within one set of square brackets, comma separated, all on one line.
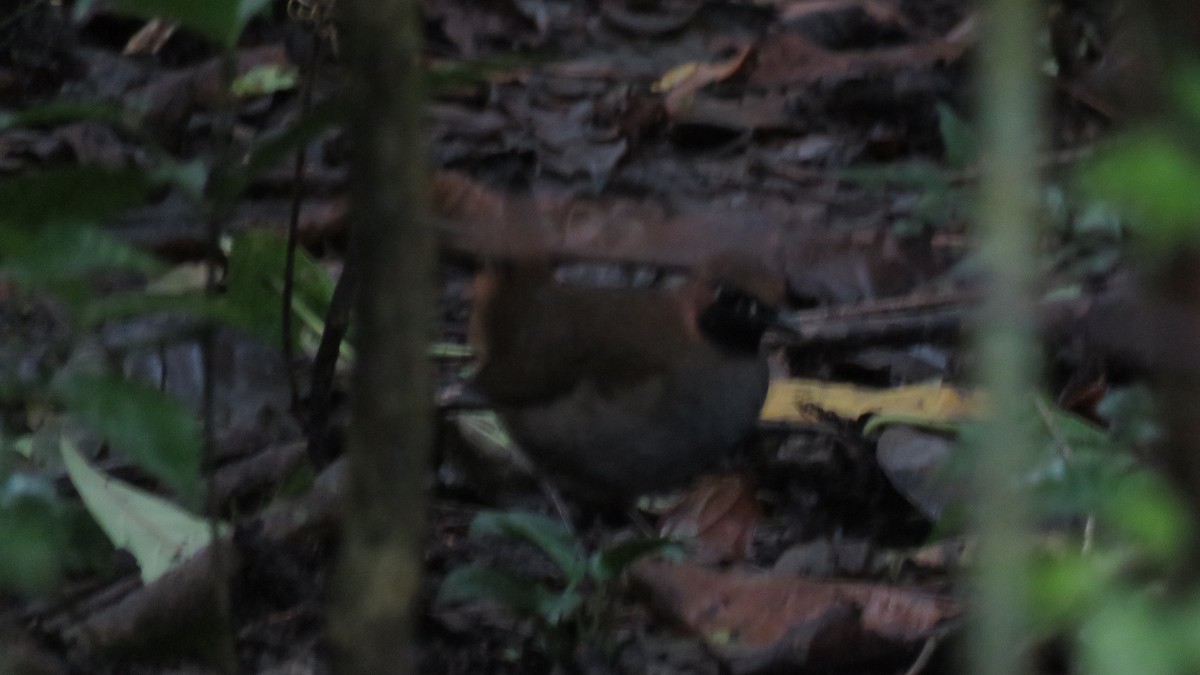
[(769, 619), (682, 82), (721, 513), (788, 59)]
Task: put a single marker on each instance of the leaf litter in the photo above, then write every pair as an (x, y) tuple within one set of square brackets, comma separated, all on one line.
[(633, 135)]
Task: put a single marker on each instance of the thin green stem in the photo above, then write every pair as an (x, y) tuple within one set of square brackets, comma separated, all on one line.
[(1009, 117)]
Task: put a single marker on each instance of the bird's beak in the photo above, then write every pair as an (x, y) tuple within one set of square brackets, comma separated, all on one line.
[(785, 323)]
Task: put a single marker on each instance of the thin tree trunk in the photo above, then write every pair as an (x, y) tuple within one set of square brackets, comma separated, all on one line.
[(1009, 124), (392, 250)]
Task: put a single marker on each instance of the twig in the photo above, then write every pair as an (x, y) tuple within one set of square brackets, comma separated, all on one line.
[(927, 652), (219, 558), (909, 315), (289, 267), (320, 398)]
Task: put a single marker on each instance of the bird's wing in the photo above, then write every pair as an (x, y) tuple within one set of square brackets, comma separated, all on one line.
[(566, 338)]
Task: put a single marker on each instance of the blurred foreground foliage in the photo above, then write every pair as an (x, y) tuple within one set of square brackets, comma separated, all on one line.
[(68, 276), (1115, 590)]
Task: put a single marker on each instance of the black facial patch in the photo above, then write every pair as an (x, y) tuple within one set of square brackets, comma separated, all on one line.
[(735, 320)]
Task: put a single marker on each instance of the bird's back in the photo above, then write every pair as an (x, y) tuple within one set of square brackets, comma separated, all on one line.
[(613, 391)]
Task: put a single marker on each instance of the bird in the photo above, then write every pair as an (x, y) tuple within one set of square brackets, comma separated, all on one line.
[(618, 392)]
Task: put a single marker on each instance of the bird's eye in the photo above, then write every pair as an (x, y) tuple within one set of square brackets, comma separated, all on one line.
[(736, 302), (735, 320)]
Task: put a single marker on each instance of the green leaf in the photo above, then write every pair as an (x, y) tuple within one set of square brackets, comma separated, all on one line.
[(255, 262), (613, 561), (33, 535), (84, 195), (555, 607), (194, 304), (548, 534), (57, 253), (1082, 465), (1155, 179), (958, 138), (1130, 635), (1141, 507), (159, 534), (22, 446), (1189, 624), (1073, 431), (1067, 588), (255, 278), (1186, 88), (221, 21), (265, 79), (1131, 415), (153, 428), (520, 596), (56, 113)]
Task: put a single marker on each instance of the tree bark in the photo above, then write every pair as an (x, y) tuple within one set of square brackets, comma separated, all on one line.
[(392, 251)]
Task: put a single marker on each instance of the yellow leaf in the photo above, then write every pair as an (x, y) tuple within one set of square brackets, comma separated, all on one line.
[(803, 401), (675, 76)]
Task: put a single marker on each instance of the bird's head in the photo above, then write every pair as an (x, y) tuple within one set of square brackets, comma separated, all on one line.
[(735, 301)]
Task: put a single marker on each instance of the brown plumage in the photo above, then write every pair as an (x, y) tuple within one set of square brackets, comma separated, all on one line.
[(619, 392)]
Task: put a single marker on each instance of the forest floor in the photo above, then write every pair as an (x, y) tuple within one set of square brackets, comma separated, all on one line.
[(626, 141)]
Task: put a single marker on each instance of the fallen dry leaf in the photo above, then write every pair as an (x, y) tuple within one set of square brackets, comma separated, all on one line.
[(768, 619), (804, 402), (683, 81), (720, 513), (786, 58)]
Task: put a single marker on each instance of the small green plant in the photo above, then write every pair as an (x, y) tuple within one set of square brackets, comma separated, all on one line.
[(1101, 582), (1118, 594), (57, 253), (570, 610)]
